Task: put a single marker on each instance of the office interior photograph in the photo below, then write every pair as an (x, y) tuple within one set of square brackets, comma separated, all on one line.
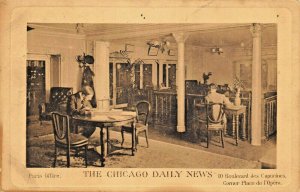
[(151, 95)]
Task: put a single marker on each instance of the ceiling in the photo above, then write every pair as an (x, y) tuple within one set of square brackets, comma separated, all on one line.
[(206, 34)]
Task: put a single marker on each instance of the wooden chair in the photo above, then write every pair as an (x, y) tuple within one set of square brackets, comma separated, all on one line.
[(142, 109), (214, 120), (66, 140)]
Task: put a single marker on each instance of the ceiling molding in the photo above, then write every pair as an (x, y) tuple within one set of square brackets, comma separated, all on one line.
[(50, 31), (143, 32), (59, 34), (50, 27), (156, 33)]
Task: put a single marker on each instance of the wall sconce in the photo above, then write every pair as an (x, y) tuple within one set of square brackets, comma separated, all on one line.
[(84, 60), (79, 28), (161, 45), (217, 50)]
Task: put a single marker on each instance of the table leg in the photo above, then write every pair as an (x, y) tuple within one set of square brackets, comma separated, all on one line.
[(225, 129), (244, 127), (102, 159), (233, 126), (133, 137), (237, 129)]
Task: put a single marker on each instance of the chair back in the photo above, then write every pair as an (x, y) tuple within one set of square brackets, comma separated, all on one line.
[(214, 113), (142, 110), (61, 127), (59, 95)]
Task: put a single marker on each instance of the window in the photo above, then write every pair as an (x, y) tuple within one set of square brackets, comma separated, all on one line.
[(122, 82)]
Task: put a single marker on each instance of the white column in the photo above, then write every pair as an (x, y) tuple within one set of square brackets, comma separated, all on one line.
[(101, 69), (256, 112), (180, 39)]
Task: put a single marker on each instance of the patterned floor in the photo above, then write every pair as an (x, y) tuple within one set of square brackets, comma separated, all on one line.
[(165, 151), (159, 155)]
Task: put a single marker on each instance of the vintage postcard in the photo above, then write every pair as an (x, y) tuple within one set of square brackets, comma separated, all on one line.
[(150, 96)]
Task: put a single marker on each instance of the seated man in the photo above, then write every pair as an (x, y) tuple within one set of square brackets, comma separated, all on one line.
[(215, 97), (80, 104)]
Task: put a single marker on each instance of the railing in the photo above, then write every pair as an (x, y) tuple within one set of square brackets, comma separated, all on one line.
[(191, 112), (270, 115), (165, 109)]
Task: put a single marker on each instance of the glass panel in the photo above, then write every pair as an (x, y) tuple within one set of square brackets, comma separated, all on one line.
[(172, 76), (111, 89), (35, 85), (137, 75), (123, 82), (147, 75), (164, 75)]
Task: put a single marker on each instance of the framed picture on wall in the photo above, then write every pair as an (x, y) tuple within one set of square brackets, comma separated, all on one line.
[(152, 51)]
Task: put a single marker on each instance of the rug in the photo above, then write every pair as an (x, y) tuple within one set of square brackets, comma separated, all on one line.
[(35, 129), (40, 153)]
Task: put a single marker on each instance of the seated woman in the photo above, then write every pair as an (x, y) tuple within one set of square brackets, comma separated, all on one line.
[(215, 97), (80, 104)]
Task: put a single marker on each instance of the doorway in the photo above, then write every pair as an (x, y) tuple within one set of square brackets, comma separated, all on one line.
[(36, 85), (42, 72)]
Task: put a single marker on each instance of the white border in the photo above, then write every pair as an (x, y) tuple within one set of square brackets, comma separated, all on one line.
[(14, 154)]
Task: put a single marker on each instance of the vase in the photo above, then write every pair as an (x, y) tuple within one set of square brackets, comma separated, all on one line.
[(237, 100)]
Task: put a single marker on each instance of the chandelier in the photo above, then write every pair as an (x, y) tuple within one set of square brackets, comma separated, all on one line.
[(217, 50)]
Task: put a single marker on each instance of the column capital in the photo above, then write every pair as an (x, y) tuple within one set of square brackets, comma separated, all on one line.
[(180, 37), (255, 29)]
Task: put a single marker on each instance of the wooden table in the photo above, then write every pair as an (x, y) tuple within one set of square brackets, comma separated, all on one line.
[(235, 112), (106, 120)]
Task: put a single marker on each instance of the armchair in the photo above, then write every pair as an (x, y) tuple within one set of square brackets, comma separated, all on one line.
[(57, 102)]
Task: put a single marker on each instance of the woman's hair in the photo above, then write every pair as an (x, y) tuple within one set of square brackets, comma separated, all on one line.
[(213, 86)]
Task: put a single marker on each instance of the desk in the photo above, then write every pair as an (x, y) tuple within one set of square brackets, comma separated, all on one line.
[(106, 120), (236, 111)]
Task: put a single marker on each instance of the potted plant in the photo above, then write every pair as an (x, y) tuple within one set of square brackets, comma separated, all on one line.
[(133, 89), (238, 84)]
